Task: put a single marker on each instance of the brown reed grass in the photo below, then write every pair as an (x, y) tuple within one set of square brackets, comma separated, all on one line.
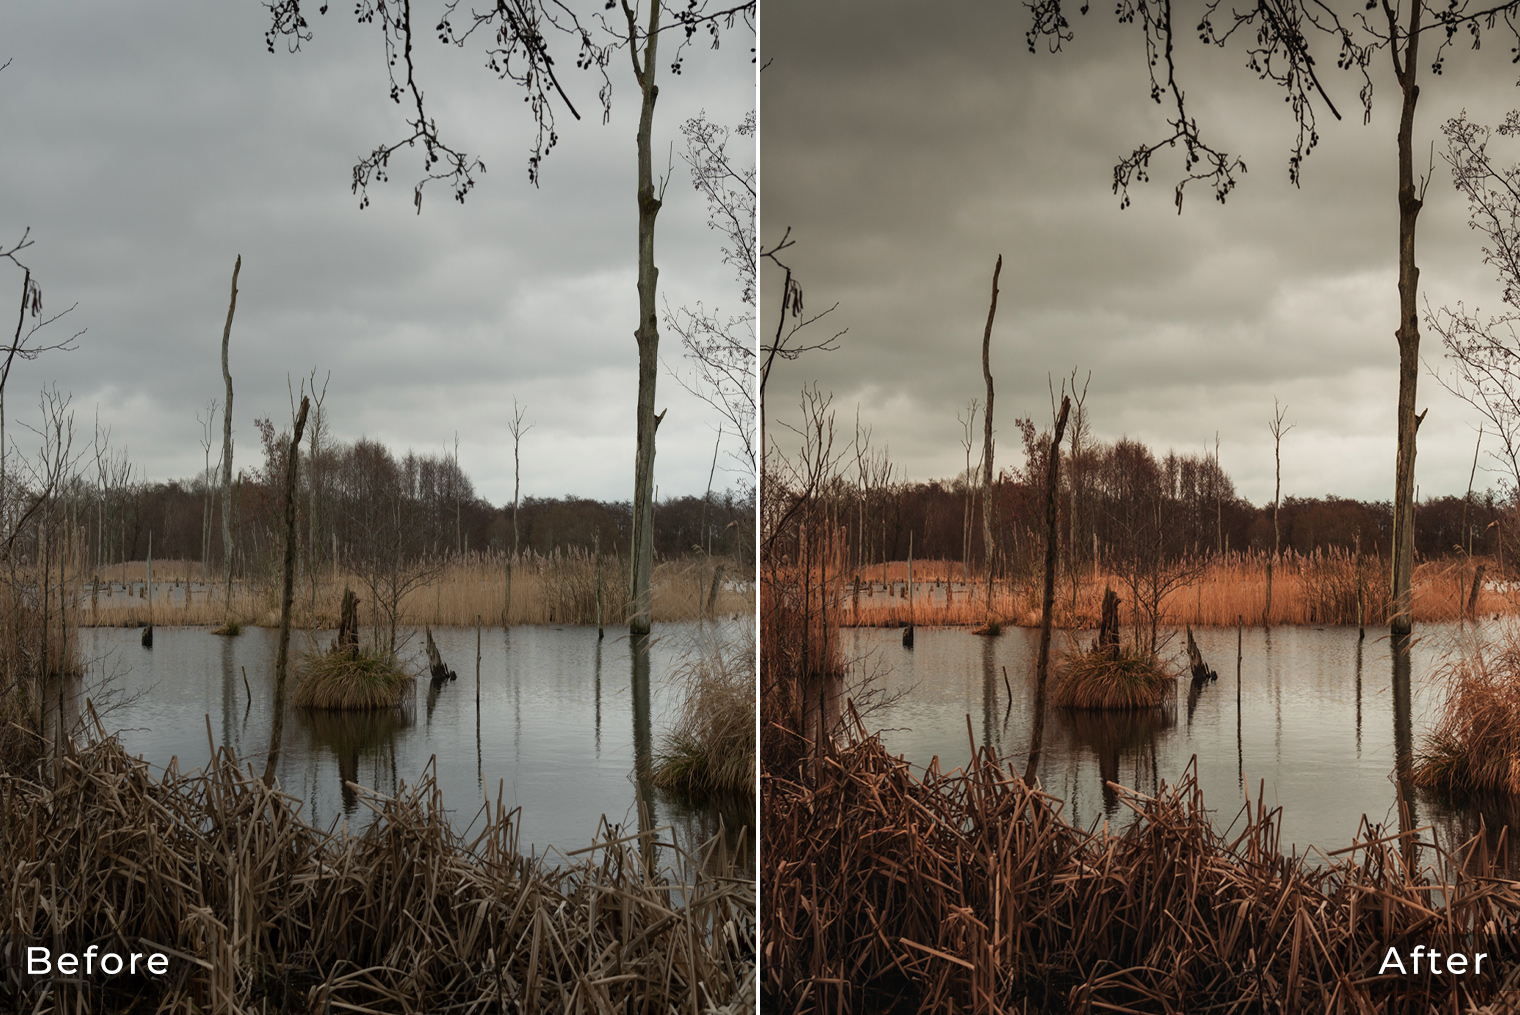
[(367, 680), (1122, 679), (1475, 745), (259, 911), (801, 664), (968, 891), (1321, 588), (557, 589), (711, 747)]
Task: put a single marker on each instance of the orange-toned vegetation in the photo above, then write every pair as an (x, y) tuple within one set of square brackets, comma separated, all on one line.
[(1325, 587), (1475, 745)]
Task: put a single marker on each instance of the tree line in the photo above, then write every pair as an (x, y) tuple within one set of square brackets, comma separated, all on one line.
[(1120, 501), (359, 502)]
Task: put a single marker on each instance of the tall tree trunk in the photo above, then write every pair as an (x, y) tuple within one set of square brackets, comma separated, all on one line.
[(1408, 334), (287, 594), (1042, 667), (987, 440), (648, 335), (227, 442)]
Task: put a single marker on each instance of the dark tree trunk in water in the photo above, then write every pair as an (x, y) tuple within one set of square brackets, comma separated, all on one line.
[(348, 625), (647, 335), (436, 668), (1408, 334), (1108, 627), (287, 594), (1052, 486), (987, 439), (227, 443)]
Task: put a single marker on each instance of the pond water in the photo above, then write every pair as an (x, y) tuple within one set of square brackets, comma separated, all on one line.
[(1314, 728), (562, 718)]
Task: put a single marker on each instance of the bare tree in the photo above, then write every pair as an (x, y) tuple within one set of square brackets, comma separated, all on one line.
[(519, 52), (1279, 413), (789, 343), (207, 440), (227, 441), (515, 425), (287, 593), (968, 427), (1485, 351), (987, 498), (25, 346), (1278, 39), (722, 351)]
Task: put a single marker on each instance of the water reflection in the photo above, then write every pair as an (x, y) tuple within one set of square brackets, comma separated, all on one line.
[(545, 733), (354, 736), (1403, 742), (1305, 706), (1114, 736)]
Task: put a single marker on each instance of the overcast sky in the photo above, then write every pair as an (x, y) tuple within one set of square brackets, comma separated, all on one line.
[(908, 144), (147, 144)]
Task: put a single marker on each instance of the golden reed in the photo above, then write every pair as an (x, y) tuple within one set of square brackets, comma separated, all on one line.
[(1323, 588), (559, 589)]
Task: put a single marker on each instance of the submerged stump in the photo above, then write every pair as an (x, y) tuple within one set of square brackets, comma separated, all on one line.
[(436, 668)]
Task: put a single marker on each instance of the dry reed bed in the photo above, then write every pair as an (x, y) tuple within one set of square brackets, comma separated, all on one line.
[(1124, 679), (560, 589), (1319, 588), (261, 912), (968, 891), (1475, 744)]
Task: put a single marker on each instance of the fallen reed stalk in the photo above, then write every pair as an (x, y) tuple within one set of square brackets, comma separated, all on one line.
[(259, 911), (968, 891)]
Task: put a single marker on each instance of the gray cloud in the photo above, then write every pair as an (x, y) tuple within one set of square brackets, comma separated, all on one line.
[(147, 145), (907, 145)]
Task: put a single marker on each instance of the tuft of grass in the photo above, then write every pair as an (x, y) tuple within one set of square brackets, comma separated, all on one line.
[(711, 749), (231, 629), (1475, 745), (1125, 678), (991, 629), (369, 680)]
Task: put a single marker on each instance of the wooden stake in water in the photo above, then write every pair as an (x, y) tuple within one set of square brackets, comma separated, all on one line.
[(477, 666)]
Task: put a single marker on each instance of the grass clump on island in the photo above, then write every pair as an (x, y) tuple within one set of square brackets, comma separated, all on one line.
[(363, 680), (711, 749), (1475, 745), (1119, 678)]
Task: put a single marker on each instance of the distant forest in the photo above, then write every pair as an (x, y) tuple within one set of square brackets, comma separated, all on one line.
[(356, 499), (1120, 499)]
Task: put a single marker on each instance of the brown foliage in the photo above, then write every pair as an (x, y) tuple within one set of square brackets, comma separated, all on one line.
[(968, 891), (260, 911)]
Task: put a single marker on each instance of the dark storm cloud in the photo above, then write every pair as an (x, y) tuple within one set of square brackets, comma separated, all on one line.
[(147, 145), (907, 145)]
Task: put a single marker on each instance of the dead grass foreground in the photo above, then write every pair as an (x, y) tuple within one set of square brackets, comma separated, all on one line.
[(259, 911), (968, 891)]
